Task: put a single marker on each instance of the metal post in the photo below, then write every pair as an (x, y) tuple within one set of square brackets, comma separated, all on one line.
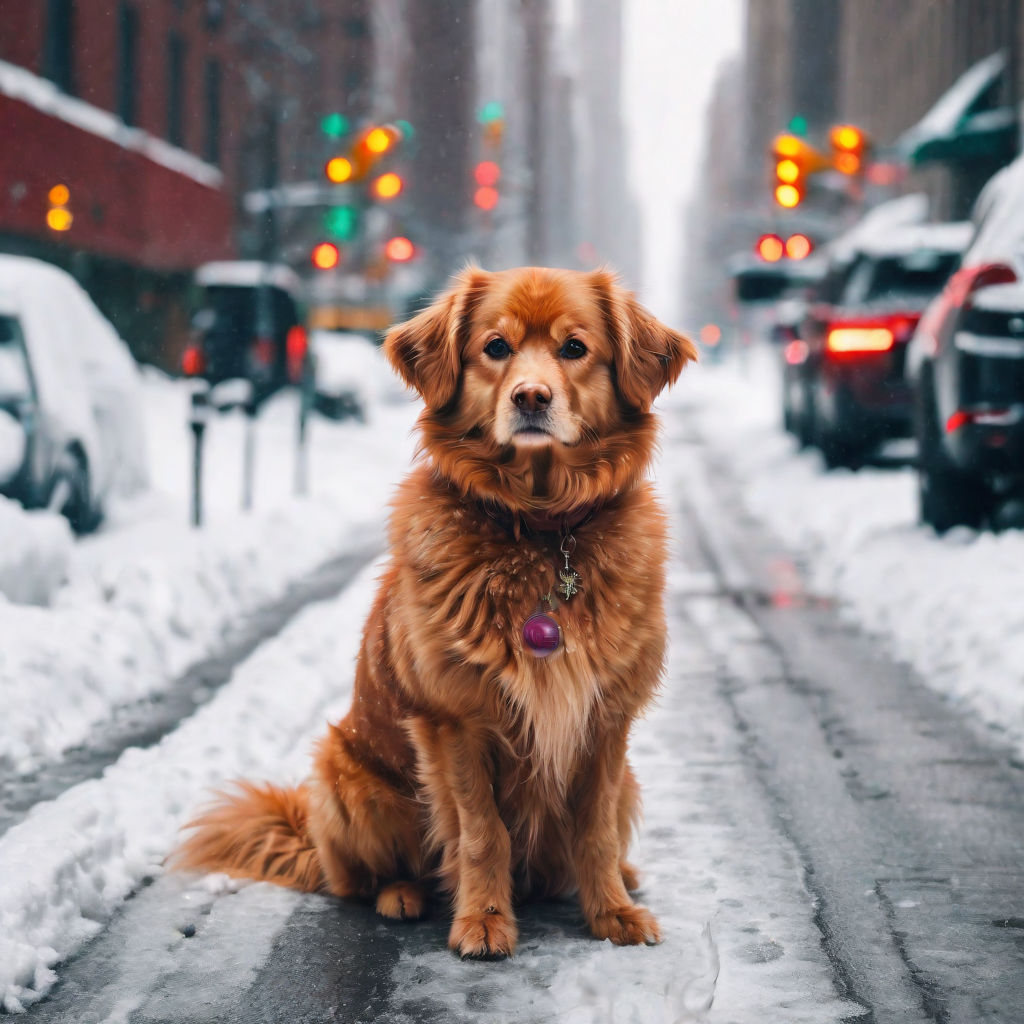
[(301, 438), (249, 456), (200, 414)]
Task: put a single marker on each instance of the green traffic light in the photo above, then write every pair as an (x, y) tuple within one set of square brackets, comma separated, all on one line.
[(492, 111), (798, 124), (334, 125), (341, 222), (405, 128)]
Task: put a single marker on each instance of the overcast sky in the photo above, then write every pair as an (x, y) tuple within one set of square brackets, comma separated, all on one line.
[(672, 51)]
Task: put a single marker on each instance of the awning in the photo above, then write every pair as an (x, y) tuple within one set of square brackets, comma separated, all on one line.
[(966, 123)]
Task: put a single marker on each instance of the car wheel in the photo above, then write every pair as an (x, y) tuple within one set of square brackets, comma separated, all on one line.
[(834, 442), (71, 494), (947, 496)]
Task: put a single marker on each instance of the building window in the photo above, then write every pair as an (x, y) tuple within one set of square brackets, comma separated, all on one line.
[(211, 90), (214, 14), (128, 62), (58, 63), (176, 89)]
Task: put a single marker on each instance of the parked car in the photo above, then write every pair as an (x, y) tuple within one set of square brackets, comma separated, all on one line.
[(967, 361), (248, 324), (844, 385), (760, 290), (70, 402)]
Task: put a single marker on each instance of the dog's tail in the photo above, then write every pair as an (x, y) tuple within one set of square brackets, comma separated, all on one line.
[(257, 832)]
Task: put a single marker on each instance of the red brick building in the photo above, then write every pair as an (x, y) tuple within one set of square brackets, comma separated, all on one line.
[(157, 115)]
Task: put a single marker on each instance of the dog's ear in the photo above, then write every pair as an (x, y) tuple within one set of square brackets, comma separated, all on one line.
[(426, 351), (648, 355)]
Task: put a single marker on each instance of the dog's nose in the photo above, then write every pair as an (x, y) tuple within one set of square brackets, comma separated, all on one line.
[(532, 397)]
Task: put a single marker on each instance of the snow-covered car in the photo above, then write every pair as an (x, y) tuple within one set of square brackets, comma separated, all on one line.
[(248, 325), (967, 359), (845, 390), (71, 431)]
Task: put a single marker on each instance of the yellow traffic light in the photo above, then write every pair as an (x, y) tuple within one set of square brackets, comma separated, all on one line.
[(59, 195), (787, 195), (388, 185), (378, 141), (787, 171), (58, 218), (788, 146), (847, 137), (339, 169), (848, 146)]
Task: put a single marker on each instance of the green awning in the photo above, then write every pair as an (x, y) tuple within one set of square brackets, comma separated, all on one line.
[(965, 123)]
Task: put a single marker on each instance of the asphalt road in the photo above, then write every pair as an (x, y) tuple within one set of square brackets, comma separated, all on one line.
[(905, 820)]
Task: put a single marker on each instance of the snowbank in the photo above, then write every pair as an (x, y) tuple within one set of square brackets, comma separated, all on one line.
[(952, 606), (35, 549), (148, 596), (65, 869)]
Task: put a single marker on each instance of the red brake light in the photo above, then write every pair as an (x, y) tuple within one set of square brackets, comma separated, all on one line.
[(859, 339), (296, 343), (796, 352), (193, 361)]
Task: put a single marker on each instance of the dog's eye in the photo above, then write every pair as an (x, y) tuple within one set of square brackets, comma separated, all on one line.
[(497, 348), (573, 349)]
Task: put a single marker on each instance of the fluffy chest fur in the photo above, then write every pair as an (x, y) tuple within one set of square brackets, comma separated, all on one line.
[(465, 586)]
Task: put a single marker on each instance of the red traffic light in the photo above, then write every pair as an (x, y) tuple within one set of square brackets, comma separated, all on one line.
[(487, 173), (325, 256), (399, 249), (770, 248)]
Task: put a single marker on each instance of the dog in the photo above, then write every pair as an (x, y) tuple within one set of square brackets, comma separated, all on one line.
[(517, 632)]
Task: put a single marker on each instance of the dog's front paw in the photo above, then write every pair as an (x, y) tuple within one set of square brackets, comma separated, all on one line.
[(487, 936), (401, 901), (627, 926)]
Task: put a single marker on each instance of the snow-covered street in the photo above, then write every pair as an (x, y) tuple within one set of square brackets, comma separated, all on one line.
[(784, 848)]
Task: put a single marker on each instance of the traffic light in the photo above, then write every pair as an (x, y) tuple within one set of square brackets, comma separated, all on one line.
[(798, 246), (325, 256), (334, 125), (399, 249), (789, 151), (387, 186), (848, 147), (486, 174), (339, 169), (770, 248), (342, 222), (58, 216)]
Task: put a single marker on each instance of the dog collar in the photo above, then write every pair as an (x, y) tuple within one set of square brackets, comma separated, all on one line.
[(515, 522)]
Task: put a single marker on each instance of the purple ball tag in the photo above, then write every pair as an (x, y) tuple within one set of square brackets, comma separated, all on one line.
[(542, 635)]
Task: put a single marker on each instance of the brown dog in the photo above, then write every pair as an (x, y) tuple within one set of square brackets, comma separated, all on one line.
[(471, 757)]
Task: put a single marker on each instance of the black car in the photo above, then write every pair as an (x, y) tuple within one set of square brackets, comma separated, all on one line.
[(845, 390), (967, 359), (248, 324)]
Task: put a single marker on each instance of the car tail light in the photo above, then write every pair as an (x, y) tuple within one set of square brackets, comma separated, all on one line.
[(859, 339), (983, 417), (193, 361), (796, 352), (296, 345)]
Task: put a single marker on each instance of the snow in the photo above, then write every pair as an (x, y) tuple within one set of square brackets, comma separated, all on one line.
[(35, 551), (148, 596), (950, 606), (727, 887), (115, 831), (19, 83), (248, 274), (909, 239)]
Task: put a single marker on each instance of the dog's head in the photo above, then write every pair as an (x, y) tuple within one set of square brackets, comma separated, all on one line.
[(538, 384)]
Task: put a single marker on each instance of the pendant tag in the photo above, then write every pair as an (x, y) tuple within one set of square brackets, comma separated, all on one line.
[(570, 578)]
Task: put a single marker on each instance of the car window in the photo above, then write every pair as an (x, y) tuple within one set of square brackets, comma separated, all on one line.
[(15, 375), (913, 276)]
